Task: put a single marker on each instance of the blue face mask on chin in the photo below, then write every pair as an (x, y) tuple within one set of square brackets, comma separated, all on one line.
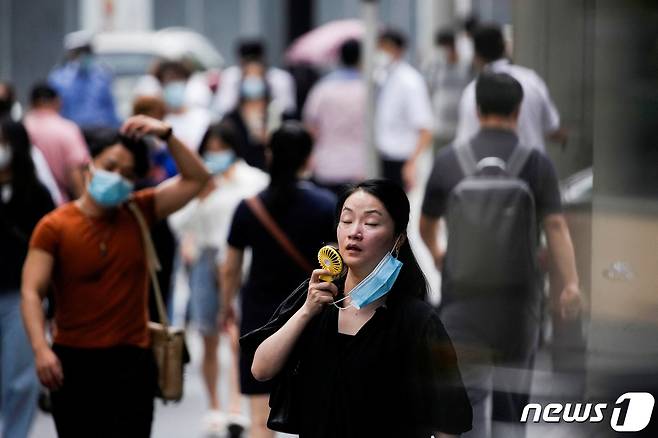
[(109, 189), (219, 162), (253, 88), (378, 283)]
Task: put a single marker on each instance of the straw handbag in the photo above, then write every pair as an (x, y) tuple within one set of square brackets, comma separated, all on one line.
[(167, 343)]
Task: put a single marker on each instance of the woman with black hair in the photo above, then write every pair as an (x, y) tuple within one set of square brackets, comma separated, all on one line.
[(255, 115), (23, 202), (371, 356), (100, 368), (202, 228), (304, 214)]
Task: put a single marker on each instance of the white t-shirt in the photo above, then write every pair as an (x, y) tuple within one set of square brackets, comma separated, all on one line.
[(207, 221), (190, 126), (403, 108), (281, 83), (538, 115)]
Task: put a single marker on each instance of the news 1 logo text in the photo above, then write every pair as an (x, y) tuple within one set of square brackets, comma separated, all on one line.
[(630, 413)]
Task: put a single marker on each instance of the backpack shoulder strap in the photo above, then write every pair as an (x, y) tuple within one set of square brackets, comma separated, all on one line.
[(466, 158), (517, 160)]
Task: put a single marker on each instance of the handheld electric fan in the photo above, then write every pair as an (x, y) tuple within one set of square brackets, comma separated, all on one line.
[(330, 259)]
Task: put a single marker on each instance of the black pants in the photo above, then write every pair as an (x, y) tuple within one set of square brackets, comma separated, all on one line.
[(392, 170), (107, 392)]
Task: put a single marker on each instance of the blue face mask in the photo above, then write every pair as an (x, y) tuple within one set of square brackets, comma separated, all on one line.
[(109, 189), (219, 162), (174, 95), (378, 283), (253, 88)]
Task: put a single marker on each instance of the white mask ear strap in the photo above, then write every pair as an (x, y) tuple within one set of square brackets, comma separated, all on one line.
[(398, 244)]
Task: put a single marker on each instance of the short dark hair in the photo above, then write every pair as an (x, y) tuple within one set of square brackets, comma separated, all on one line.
[(497, 93), (99, 139), (445, 37), (226, 132), (176, 67), (471, 23), (394, 36), (250, 49), (350, 53), (488, 42), (42, 92)]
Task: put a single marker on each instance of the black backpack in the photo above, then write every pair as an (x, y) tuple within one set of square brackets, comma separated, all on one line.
[(492, 235)]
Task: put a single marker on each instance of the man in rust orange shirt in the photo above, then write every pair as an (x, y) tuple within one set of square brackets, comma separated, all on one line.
[(100, 371)]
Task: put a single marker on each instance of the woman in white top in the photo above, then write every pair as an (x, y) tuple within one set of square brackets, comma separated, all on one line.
[(202, 228)]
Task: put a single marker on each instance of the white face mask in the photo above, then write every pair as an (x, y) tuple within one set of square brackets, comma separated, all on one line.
[(5, 156), (383, 59)]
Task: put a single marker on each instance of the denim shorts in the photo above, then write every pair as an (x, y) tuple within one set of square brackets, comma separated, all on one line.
[(204, 292)]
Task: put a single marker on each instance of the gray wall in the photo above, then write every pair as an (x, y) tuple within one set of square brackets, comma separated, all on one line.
[(555, 39), (31, 39), (223, 21)]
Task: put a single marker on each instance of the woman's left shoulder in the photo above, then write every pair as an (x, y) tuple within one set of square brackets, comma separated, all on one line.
[(415, 315)]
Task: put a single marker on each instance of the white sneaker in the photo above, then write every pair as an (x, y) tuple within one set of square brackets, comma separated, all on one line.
[(214, 424)]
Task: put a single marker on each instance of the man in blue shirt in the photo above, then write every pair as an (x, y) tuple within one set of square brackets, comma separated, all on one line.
[(84, 85)]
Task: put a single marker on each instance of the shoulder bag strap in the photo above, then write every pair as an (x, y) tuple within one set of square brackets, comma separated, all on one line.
[(152, 262), (466, 158), (259, 210), (517, 160)]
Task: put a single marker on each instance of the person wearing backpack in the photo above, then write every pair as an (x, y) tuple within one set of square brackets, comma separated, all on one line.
[(495, 194)]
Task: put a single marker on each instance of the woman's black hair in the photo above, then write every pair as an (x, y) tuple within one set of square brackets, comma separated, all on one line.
[(23, 174), (225, 131), (411, 281), (99, 139), (290, 147)]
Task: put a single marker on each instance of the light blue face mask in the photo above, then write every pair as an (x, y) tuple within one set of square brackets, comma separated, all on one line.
[(378, 283), (174, 94), (253, 88), (219, 162), (109, 189)]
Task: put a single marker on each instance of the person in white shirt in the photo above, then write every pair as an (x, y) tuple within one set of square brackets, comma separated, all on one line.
[(403, 119), (188, 122), (280, 82), (538, 119), (202, 228), (446, 79)]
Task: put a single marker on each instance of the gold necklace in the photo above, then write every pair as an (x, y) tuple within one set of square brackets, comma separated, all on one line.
[(89, 217)]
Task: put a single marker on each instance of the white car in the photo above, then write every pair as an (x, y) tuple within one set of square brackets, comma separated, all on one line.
[(130, 55)]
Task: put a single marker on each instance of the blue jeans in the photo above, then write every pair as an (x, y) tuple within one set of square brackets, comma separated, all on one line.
[(19, 387)]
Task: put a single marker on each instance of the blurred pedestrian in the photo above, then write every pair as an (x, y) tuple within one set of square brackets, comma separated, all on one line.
[(371, 356), (446, 79), (45, 175), (255, 115), (100, 369), (491, 297), (280, 82), (202, 228), (59, 139), (304, 215), (84, 85), (538, 117), (189, 123), (403, 120), (23, 202), (335, 115), (9, 106)]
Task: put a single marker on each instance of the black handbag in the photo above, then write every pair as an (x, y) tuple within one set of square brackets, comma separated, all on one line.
[(284, 400)]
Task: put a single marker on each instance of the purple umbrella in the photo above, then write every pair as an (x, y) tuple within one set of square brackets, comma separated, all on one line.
[(320, 45)]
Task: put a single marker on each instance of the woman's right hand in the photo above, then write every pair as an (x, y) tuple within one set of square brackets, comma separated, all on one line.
[(49, 368), (320, 293)]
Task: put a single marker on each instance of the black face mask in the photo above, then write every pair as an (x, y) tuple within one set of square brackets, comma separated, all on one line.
[(5, 106)]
